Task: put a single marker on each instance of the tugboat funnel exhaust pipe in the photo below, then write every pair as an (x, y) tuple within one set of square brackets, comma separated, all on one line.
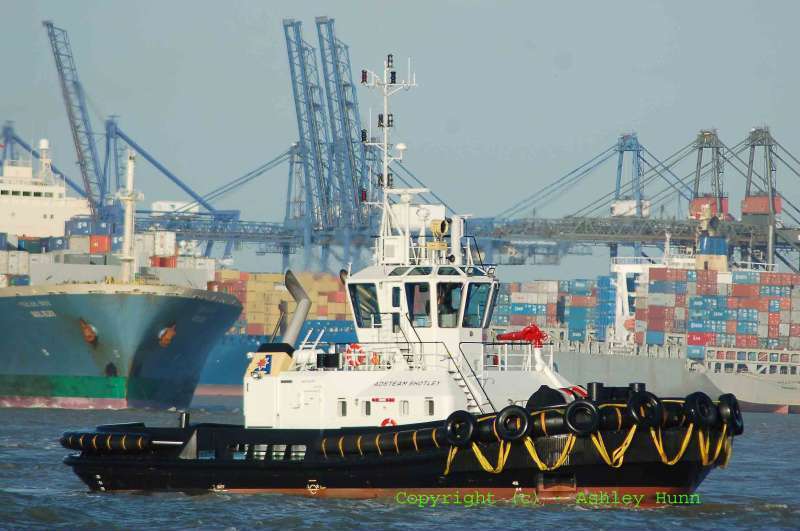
[(303, 306)]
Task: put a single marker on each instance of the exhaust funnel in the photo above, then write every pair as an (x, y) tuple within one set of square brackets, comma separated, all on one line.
[(303, 306)]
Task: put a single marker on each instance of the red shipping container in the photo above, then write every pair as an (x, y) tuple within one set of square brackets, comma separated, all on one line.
[(700, 338), (706, 289), (336, 296), (680, 300), (519, 320), (169, 261), (99, 244), (794, 329), (641, 314), (746, 290), (638, 337), (746, 341), (680, 275), (579, 301), (759, 204), (552, 309), (733, 303), (774, 319), (256, 329), (656, 325), (696, 206), (730, 327), (658, 273), (244, 275), (773, 331), (514, 287), (706, 276), (795, 279), (786, 303), (155, 261), (656, 313), (755, 303)]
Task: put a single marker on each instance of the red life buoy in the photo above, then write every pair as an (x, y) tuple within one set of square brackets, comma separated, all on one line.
[(354, 355), (388, 422)]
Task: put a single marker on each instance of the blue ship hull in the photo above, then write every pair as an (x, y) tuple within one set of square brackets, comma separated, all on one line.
[(105, 345)]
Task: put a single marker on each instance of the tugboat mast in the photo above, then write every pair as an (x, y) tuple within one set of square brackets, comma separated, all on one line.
[(388, 85)]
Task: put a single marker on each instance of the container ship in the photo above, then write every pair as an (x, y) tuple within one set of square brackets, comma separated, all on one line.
[(683, 322), (77, 332)]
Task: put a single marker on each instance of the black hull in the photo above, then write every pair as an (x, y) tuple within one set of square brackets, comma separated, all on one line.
[(396, 470)]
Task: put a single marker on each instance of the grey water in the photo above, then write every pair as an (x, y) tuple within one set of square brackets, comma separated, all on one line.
[(759, 489)]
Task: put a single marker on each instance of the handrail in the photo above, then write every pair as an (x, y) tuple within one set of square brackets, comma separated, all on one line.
[(474, 375)]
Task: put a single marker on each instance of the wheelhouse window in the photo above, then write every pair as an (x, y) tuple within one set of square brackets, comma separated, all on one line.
[(451, 271), (365, 305), (448, 303), (418, 297), (477, 301)]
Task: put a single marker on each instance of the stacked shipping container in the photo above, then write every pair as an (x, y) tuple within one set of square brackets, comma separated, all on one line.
[(583, 305), (263, 295)]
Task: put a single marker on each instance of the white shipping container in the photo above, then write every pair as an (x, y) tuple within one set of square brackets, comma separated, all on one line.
[(165, 244), (185, 262), (724, 277), (18, 263), (627, 208), (144, 244), (79, 244), (43, 258), (205, 263), (3, 262)]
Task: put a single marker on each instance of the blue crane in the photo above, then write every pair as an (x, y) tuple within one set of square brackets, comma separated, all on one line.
[(314, 144), (96, 177), (349, 154), (94, 181)]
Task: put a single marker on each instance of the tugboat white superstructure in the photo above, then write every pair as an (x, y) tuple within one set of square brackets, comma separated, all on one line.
[(421, 401)]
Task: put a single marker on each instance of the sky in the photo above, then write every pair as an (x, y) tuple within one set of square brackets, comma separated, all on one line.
[(511, 94)]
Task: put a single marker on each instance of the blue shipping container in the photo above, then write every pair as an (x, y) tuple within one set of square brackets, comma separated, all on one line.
[(19, 280), (577, 335), (3, 241), (745, 277), (56, 244), (695, 352), (654, 338), (713, 245), (747, 327)]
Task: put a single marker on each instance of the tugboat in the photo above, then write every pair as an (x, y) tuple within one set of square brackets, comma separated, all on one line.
[(421, 402)]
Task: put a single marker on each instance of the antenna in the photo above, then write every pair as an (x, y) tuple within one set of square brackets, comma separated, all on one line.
[(388, 85)]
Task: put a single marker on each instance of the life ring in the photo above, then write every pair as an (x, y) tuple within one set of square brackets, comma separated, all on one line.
[(355, 355), (388, 421)]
